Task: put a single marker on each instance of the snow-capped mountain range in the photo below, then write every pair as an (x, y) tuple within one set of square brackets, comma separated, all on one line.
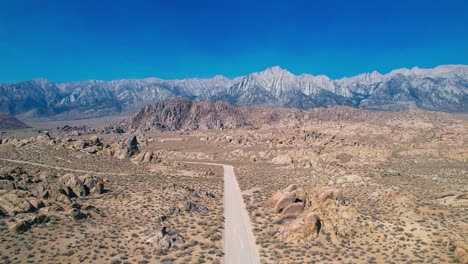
[(443, 88)]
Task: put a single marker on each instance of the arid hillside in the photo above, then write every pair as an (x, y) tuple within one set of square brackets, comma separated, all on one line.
[(10, 122), (185, 114)]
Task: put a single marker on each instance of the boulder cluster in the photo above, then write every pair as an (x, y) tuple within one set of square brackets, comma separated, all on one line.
[(29, 198), (165, 239), (305, 216), (121, 149)]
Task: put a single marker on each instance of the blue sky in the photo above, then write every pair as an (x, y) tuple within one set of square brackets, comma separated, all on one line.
[(84, 39)]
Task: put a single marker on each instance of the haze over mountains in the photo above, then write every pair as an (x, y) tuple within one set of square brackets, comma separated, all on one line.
[(443, 88)]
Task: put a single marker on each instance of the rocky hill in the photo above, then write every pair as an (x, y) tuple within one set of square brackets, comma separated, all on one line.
[(443, 88), (185, 114), (10, 122)]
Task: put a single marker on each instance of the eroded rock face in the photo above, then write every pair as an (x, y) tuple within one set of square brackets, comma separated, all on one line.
[(132, 145), (165, 239), (29, 198), (92, 184), (15, 202), (146, 157), (454, 199), (72, 186), (25, 224), (304, 216)]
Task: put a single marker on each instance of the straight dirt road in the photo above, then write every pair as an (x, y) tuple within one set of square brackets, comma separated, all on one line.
[(239, 241)]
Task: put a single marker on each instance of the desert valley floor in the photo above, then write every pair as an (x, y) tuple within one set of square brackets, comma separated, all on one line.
[(361, 187)]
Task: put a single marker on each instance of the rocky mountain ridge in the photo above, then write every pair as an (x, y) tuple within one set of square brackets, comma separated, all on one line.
[(443, 88), (10, 122), (185, 114)]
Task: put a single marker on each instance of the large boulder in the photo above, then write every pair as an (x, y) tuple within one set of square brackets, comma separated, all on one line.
[(302, 229), (7, 185), (14, 203), (95, 140), (25, 224), (304, 215), (294, 209), (57, 194), (148, 157), (328, 193), (165, 239), (122, 152), (92, 184), (72, 186), (132, 145), (282, 160), (289, 201)]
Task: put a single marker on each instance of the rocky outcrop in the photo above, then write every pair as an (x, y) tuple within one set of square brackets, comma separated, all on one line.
[(193, 207), (15, 202), (146, 157), (23, 194), (454, 199), (121, 149), (184, 114), (25, 224), (304, 216), (10, 122), (289, 202), (165, 239)]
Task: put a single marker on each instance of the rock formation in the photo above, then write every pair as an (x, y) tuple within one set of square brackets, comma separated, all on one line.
[(304, 216), (22, 193)]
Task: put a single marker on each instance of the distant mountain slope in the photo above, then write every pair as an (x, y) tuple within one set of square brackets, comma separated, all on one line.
[(10, 122), (185, 114), (444, 88)]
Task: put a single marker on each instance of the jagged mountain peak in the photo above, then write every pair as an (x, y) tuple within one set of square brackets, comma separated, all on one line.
[(443, 71), (274, 71), (219, 77), (368, 77), (41, 81), (441, 88)]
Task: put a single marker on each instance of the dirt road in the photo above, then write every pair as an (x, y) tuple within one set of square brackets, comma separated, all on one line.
[(239, 241)]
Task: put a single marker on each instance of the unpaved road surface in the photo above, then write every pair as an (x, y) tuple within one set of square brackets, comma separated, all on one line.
[(239, 241)]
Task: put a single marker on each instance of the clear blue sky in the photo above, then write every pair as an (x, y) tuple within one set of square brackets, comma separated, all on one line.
[(103, 39)]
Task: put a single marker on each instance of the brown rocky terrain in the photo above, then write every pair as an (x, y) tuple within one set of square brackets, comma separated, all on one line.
[(336, 185), (10, 122), (184, 114)]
